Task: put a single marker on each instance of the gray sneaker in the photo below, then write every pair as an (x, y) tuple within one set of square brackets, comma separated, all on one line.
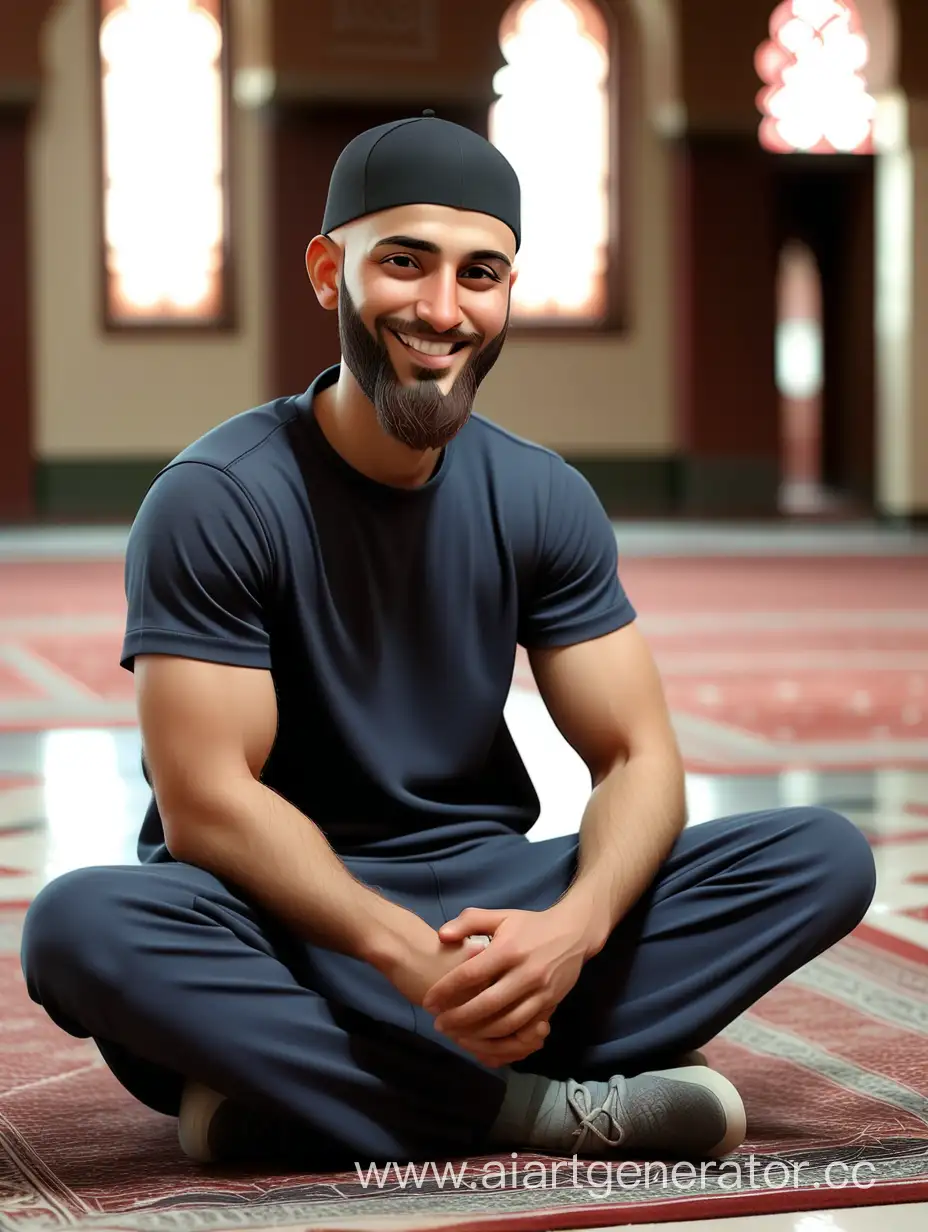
[(691, 1112)]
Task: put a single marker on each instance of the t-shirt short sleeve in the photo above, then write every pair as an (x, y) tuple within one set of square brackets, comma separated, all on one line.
[(575, 593), (198, 565)]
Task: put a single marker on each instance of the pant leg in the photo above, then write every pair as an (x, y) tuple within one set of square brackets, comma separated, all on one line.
[(176, 976), (738, 905)]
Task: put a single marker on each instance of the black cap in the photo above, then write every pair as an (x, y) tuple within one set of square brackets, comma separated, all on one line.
[(422, 160)]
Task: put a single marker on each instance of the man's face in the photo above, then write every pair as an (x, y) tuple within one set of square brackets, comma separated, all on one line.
[(394, 294)]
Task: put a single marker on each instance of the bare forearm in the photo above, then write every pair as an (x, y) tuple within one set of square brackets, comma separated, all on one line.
[(631, 822), (258, 841)]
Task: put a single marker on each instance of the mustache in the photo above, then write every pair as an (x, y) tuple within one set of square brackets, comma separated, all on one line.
[(413, 329)]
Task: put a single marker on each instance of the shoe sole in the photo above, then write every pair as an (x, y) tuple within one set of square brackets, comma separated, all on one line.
[(727, 1095), (198, 1106)]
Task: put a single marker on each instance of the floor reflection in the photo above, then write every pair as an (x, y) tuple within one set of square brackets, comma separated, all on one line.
[(72, 798)]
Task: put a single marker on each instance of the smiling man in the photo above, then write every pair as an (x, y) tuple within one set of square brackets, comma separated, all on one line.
[(339, 942), (421, 373)]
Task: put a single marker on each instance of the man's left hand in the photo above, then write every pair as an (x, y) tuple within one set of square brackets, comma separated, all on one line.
[(533, 960)]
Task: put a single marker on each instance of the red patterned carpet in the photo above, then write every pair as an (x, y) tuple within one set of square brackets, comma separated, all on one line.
[(831, 1065)]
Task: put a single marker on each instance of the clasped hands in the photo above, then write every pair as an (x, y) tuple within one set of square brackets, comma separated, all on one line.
[(497, 1003)]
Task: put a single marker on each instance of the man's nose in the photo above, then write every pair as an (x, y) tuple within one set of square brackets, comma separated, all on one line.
[(439, 305)]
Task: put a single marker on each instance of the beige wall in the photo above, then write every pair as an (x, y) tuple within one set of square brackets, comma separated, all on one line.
[(115, 396), (105, 396)]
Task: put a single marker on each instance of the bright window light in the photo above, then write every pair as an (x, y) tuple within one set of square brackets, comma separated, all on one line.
[(162, 112), (552, 123), (815, 100)]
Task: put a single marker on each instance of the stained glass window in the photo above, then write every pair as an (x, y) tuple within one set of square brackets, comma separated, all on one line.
[(815, 99)]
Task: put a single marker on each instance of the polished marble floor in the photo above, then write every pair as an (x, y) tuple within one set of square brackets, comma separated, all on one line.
[(73, 795)]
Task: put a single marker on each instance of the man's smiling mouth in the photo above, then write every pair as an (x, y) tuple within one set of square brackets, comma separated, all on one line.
[(425, 347)]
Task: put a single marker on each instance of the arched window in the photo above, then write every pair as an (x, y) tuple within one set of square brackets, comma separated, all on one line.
[(815, 99), (553, 122), (163, 104)]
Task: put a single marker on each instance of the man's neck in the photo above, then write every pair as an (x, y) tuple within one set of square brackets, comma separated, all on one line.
[(349, 422)]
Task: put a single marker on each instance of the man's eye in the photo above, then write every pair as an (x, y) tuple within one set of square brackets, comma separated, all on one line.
[(470, 273)]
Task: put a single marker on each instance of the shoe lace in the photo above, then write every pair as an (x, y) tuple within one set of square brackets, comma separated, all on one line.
[(580, 1099)]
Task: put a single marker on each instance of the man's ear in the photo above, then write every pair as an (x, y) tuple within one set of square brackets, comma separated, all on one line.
[(323, 263)]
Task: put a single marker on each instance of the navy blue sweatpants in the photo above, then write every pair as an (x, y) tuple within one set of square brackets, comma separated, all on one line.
[(176, 975)]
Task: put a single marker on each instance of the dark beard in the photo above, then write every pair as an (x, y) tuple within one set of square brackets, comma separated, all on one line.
[(419, 415)]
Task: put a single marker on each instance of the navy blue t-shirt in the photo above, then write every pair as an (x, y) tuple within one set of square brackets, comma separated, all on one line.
[(388, 617)]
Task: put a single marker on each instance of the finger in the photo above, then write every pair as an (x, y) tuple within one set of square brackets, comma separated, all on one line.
[(471, 920), (465, 981), (531, 1037), (457, 988), (471, 945), (476, 942), (520, 1017), (503, 996)]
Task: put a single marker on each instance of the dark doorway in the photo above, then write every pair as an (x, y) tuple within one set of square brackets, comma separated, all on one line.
[(826, 203), (800, 379)]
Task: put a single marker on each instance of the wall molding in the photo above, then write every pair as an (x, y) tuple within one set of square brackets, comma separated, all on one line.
[(100, 489)]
